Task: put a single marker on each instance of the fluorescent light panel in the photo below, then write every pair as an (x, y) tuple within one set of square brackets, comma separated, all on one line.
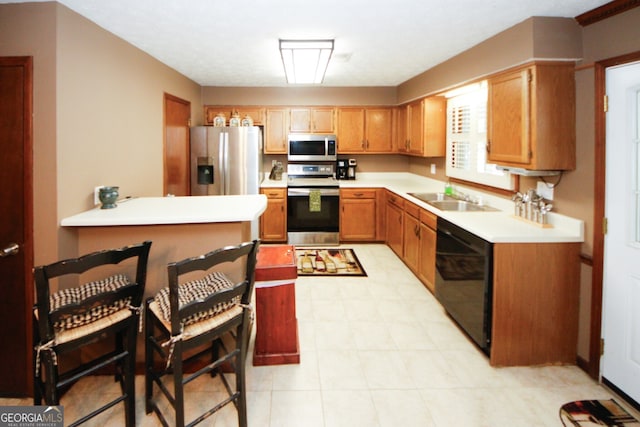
[(305, 61)]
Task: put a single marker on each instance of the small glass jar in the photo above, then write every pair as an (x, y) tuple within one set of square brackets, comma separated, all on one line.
[(219, 120), (235, 119), (247, 121)]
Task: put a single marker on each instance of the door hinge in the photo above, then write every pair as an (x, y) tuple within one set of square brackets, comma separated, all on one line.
[(605, 225), (606, 103), (601, 346)]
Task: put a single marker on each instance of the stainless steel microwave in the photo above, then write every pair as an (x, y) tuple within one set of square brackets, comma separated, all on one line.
[(307, 147)]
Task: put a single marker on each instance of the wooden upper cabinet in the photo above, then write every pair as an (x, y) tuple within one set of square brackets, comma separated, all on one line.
[(256, 113), (276, 131), (351, 130), (401, 142), (365, 130), (426, 127), (312, 119), (531, 117)]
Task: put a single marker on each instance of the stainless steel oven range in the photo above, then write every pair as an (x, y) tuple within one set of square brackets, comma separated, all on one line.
[(313, 204)]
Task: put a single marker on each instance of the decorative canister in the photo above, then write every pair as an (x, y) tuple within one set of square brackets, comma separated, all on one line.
[(247, 121), (235, 119), (220, 120), (108, 197)]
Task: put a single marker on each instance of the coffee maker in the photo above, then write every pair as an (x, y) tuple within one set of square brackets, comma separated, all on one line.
[(351, 169), (342, 169)]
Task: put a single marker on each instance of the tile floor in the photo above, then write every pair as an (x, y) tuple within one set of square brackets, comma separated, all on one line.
[(375, 351)]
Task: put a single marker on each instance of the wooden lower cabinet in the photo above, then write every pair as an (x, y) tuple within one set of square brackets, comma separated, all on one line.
[(358, 214), (535, 303), (273, 222), (411, 241), (427, 257), (395, 223)]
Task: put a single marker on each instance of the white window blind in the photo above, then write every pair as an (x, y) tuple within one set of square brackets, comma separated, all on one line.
[(467, 139)]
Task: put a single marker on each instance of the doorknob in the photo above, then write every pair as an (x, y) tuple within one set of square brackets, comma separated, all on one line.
[(12, 249)]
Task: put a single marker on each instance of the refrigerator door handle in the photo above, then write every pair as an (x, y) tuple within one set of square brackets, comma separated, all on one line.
[(222, 154), (226, 183)]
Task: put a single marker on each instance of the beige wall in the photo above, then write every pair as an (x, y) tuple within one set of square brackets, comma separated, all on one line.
[(298, 96), (98, 115), (30, 30)]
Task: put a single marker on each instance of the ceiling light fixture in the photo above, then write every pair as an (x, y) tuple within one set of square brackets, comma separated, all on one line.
[(305, 61)]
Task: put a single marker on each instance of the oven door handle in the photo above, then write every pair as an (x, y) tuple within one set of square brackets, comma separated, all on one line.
[(304, 192)]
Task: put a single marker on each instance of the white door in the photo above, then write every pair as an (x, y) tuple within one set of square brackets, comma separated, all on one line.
[(621, 280)]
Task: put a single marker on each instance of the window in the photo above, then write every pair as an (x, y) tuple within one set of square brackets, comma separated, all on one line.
[(466, 156)]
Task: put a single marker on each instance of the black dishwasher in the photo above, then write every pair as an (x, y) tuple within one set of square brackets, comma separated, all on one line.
[(464, 277)]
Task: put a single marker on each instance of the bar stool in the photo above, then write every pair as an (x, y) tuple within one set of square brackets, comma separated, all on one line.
[(197, 319), (70, 319)]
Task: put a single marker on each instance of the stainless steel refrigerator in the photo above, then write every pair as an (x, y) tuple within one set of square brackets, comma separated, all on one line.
[(226, 160)]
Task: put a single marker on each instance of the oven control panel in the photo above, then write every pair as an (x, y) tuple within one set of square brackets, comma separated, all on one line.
[(310, 170)]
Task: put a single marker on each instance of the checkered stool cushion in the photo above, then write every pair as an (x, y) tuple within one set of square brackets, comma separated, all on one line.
[(78, 294), (194, 290)]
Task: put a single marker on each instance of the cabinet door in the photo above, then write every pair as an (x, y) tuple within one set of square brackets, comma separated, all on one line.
[(273, 222), (256, 113), (358, 219), (508, 114), (427, 260), (351, 130), (401, 137), (323, 120), (275, 138), (411, 244), (395, 228), (415, 115), (378, 130), (300, 120)]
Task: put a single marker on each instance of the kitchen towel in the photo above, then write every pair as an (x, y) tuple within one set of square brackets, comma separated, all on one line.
[(315, 203)]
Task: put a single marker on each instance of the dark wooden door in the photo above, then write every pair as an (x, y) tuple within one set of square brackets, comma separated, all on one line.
[(177, 114), (16, 288)]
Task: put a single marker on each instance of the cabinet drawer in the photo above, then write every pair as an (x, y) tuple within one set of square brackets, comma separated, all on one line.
[(395, 200), (411, 209), (358, 193), (274, 193), (429, 218)]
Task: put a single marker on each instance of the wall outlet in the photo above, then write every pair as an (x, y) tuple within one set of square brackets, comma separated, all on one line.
[(96, 194), (433, 168), (544, 190)]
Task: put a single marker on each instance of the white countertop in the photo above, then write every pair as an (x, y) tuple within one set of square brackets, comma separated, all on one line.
[(173, 210), (496, 227)]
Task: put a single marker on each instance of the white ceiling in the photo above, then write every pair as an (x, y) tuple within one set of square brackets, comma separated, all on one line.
[(377, 42)]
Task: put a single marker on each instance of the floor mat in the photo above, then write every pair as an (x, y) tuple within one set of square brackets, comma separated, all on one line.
[(596, 413), (328, 262)]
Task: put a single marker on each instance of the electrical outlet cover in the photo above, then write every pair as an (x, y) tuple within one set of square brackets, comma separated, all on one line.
[(544, 190)]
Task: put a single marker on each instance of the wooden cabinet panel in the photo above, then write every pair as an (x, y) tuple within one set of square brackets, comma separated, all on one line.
[(395, 223), (427, 258), (273, 222), (535, 315), (275, 132), (423, 125), (312, 119), (358, 214), (531, 117), (365, 130), (411, 242), (401, 140), (378, 130), (351, 123)]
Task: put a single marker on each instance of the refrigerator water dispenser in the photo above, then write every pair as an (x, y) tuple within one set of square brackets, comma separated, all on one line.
[(205, 170)]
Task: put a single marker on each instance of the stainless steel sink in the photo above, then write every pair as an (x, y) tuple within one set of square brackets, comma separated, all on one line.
[(447, 203)]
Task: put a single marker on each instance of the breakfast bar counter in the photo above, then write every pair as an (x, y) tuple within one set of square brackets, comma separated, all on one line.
[(179, 227)]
